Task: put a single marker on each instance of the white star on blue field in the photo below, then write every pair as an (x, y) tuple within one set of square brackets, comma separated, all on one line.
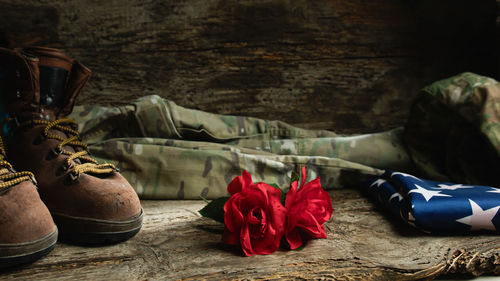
[(438, 207)]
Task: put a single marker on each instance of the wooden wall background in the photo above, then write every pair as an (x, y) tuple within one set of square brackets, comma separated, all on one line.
[(349, 66)]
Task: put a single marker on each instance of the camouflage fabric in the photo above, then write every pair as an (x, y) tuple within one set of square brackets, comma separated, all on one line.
[(453, 132), (170, 152)]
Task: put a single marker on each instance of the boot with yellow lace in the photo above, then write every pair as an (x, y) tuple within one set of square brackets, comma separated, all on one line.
[(27, 229), (91, 203)]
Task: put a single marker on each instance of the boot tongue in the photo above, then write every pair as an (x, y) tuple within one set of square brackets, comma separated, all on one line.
[(52, 82), (54, 68)]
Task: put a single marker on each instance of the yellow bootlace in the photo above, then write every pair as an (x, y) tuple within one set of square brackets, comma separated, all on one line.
[(8, 177), (88, 165)]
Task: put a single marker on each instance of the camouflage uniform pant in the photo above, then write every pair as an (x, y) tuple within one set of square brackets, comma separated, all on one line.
[(170, 152)]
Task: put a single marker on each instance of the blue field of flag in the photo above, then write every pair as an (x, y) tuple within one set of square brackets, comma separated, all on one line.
[(438, 207)]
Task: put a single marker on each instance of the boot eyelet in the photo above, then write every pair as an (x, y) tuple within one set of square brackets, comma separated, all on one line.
[(41, 138), (71, 178), (53, 153), (74, 177), (35, 182)]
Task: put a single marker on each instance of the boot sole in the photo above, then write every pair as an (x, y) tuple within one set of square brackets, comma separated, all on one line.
[(89, 231), (12, 255)]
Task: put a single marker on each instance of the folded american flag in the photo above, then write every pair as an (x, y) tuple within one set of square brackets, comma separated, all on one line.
[(438, 207)]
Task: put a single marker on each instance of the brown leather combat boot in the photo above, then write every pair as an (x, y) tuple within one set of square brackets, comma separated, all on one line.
[(27, 231), (90, 202)]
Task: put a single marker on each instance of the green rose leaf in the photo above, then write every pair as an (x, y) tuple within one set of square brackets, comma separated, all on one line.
[(274, 185), (215, 209)]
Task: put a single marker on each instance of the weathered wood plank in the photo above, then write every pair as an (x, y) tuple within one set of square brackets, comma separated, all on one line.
[(176, 243), (351, 66)]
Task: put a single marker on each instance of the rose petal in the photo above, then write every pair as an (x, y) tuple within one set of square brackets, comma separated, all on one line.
[(246, 243), (279, 216), (268, 191), (312, 190), (308, 223), (269, 242), (255, 213), (294, 239), (233, 218), (304, 174), (235, 186), (230, 238), (252, 197), (246, 178), (291, 194), (239, 183), (308, 209)]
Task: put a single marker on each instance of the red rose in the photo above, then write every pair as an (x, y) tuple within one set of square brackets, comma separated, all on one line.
[(254, 216), (308, 209)]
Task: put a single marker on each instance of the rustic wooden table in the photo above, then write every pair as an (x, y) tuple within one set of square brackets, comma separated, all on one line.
[(177, 243)]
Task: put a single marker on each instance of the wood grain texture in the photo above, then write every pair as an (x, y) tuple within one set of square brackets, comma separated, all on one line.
[(175, 243), (348, 66)]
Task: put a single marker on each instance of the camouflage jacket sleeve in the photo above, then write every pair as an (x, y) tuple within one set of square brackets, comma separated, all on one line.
[(170, 152)]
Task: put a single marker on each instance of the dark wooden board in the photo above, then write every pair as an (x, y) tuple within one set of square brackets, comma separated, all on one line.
[(348, 66), (363, 244)]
